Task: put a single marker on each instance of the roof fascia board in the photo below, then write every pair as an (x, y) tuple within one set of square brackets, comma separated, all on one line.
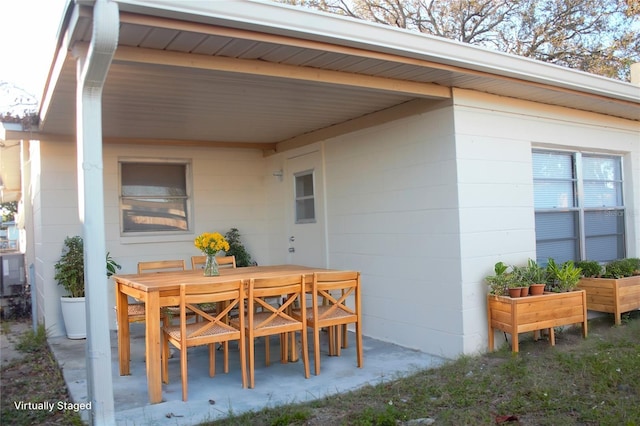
[(282, 19), (73, 15)]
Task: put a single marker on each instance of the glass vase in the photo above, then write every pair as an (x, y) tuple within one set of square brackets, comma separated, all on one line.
[(211, 266)]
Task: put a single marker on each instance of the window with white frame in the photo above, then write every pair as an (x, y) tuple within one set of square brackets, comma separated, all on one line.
[(579, 208), (305, 197), (154, 196)]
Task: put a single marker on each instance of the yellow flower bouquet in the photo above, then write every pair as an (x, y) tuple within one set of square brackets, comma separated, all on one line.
[(211, 243)]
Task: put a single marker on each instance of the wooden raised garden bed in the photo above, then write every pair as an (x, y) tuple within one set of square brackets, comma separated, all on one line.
[(612, 295), (534, 313)]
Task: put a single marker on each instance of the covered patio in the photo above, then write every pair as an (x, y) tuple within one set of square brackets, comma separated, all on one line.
[(418, 150), (218, 397)]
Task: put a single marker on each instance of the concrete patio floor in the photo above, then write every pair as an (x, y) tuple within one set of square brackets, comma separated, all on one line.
[(215, 398)]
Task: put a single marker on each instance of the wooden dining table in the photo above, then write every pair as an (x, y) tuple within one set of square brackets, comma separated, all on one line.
[(159, 289)]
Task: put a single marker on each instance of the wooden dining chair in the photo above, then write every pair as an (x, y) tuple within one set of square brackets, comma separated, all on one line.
[(329, 309), (136, 311), (209, 329), (265, 319), (198, 262)]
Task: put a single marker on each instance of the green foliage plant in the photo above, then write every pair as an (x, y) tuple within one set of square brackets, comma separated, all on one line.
[(112, 266), (590, 268), (237, 249), (563, 277), (70, 267), (514, 280), (500, 281), (530, 274), (622, 268)]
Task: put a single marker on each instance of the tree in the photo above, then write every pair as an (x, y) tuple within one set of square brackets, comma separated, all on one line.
[(29, 120), (596, 36), (15, 103), (8, 210)]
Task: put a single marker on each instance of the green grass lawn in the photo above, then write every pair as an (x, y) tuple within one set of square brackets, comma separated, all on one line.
[(592, 381)]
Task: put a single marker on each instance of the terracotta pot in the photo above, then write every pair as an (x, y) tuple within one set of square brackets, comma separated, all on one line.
[(515, 292), (524, 292), (536, 289)]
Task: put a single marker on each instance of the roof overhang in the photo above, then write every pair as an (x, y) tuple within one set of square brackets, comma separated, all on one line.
[(267, 76)]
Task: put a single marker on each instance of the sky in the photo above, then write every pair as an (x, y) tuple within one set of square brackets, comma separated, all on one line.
[(28, 30)]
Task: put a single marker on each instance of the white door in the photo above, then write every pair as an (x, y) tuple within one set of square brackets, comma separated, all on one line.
[(306, 221)]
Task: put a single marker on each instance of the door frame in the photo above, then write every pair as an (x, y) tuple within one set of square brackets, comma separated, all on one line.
[(316, 156)]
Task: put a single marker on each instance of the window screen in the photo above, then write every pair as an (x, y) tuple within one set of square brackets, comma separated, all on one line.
[(153, 197)]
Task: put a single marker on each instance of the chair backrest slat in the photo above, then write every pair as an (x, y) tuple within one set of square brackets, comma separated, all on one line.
[(198, 262), (161, 266)]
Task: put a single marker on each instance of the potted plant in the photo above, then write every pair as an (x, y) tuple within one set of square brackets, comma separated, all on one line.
[(237, 249), (563, 278), (533, 275), (499, 282), (515, 315), (514, 285), (70, 275), (614, 288)]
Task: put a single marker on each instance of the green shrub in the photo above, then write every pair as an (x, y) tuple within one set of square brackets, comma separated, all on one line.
[(564, 277), (237, 249), (590, 268), (621, 268), (70, 268), (635, 265)]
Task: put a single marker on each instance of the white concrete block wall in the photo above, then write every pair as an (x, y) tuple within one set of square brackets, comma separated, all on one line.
[(494, 139), (55, 208), (392, 214), (227, 192)]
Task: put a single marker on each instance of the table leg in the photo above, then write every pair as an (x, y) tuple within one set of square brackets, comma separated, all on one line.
[(153, 347), (291, 347), (124, 344)]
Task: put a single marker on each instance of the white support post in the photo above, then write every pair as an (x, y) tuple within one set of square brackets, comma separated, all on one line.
[(92, 69)]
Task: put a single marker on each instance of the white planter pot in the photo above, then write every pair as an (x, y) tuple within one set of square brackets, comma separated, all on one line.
[(75, 319)]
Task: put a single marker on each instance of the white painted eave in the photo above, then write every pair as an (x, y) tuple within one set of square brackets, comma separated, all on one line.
[(275, 18)]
